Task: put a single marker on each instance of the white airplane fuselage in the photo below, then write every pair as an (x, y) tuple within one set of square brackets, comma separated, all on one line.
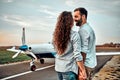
[(42, 48)]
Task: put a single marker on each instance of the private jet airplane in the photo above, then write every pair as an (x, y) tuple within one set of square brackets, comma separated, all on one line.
[(40, 51)]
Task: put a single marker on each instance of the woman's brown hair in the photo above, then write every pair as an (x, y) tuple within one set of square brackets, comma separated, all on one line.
[(62, 31)]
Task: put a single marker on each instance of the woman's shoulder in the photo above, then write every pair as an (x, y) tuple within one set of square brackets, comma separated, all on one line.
[(74, 34)]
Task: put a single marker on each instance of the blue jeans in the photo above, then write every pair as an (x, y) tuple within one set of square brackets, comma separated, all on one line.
[(67, 75)]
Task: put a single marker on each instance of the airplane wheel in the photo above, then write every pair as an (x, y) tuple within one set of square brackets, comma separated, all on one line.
[(33, 68), (42, 61)]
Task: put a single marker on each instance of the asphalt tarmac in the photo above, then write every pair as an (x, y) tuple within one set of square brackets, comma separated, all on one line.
[(21, 71)]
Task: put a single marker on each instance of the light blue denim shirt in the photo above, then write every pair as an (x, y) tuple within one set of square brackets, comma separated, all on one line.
[(67, 61), (88, 39)]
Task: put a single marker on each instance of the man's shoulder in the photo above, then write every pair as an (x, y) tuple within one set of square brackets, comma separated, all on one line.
[(86, 27)]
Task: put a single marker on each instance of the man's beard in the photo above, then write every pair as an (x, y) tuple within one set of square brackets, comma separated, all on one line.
[(79, 22)]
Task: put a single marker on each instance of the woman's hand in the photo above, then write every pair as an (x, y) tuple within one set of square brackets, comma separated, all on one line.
[(82, 72)]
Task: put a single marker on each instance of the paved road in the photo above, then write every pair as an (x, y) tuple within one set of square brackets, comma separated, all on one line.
[(41, 74), (101, 60)]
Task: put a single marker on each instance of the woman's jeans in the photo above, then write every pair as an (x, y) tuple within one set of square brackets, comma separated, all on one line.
[(67, 75)]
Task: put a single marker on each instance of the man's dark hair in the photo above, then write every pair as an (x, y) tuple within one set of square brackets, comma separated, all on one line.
[(82, 10)]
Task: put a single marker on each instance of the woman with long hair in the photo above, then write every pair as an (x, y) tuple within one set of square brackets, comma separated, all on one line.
[(67, 45)]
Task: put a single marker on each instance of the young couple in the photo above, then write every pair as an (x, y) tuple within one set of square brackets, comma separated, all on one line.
[(76, 57)]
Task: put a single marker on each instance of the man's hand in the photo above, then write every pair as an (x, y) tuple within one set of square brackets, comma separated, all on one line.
[(82, 72), (82, 75)]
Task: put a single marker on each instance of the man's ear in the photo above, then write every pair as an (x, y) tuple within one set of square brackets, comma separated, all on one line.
[(83, 16)]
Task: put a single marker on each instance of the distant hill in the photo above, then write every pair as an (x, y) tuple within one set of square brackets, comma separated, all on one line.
[(108, 47), (111, 44), (7, 47)]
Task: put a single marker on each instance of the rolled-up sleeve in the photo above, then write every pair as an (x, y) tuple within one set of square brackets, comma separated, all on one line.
[(76, 46), (84, 40)]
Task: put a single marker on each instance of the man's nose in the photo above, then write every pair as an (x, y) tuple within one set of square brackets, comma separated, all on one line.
[(75, 19)]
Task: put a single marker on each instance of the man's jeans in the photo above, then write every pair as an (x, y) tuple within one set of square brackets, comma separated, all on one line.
[(89, 72), (67, 75)]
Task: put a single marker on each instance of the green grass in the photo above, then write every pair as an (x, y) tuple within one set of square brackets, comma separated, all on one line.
[(6, 57)]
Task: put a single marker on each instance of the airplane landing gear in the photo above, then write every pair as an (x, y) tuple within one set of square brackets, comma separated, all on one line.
[(42, 61), (33, 68), (32, 65)]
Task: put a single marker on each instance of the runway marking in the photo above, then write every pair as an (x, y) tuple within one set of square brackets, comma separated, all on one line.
[(107, 53), (20, 74)]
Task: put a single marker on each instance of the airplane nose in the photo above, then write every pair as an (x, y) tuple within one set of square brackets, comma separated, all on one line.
[(23, 47), (30, 48)]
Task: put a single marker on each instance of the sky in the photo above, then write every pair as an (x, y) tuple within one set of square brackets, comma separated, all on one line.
[(39, 18)]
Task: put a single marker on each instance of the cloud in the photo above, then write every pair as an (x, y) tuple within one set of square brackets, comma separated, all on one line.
[(7, 1), (16, 20), (48, 11), (76, 3), (107, 7), (70, 3), (115, 2), (45, 6), (33, 22)]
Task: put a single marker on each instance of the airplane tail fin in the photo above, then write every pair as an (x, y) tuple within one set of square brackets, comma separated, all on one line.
[(23, 37)]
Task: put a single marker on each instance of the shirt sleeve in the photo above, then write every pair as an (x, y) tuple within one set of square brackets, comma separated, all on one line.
[(76, 46), (84, 40)]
